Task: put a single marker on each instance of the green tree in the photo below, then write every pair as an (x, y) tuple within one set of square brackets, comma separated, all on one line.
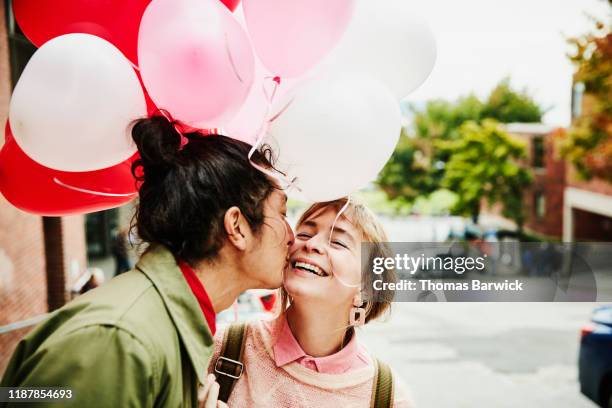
[(589, 142), (411, 155), (441, 119), (485, 165), (507, 105), (418, 164), (416, 167)]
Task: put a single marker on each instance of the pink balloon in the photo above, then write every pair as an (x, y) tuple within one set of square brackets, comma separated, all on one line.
[(257, 108), (251, 116), (292, 36), (195, 60)]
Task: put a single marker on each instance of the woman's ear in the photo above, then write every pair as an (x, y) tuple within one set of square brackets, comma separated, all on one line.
[(237, 228), (357, 300)]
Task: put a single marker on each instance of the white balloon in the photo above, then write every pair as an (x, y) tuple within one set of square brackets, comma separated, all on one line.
[(73, 104), (335, 135), (386, 40)]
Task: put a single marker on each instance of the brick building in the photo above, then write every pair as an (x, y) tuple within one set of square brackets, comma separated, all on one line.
[(587, 210), (543, 200), (559, 204), (587, 204), (39, 256)]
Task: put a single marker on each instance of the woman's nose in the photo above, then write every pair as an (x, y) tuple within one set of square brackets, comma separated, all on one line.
[(316, 244)]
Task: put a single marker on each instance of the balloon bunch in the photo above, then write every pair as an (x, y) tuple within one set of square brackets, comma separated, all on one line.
[(319, 80), (335, 132)]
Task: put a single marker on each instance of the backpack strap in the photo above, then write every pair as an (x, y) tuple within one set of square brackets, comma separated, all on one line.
[(382, 387), (229, 366)]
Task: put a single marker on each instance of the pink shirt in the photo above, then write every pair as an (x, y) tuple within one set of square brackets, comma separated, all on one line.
[(287, 350), (264, 384)]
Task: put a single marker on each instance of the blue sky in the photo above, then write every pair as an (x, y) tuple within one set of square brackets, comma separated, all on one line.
[(481, 41)]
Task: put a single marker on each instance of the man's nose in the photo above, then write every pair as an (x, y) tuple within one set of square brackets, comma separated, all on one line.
[(290, 235)]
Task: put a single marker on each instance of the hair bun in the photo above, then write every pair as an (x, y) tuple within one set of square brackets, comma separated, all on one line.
[(157, 140)]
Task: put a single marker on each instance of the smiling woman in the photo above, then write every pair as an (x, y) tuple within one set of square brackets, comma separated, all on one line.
[(310, 352), (314, 233)]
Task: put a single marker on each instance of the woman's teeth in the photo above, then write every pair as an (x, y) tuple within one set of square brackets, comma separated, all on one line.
[(310, 268)]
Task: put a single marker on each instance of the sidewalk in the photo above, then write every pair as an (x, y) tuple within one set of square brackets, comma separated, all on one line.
[(484, 354)]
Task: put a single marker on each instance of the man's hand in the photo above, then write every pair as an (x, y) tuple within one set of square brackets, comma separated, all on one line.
[(209, 394)]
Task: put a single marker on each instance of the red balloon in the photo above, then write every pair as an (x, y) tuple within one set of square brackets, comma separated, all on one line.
[(231, 4), (116, 21), (39, 190)]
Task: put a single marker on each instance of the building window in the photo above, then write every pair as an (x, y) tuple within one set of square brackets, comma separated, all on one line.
[(539, 204), (538, 152), (577, 95), (99, 227)]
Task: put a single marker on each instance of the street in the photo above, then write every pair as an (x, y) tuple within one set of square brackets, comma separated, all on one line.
[(484, 354)]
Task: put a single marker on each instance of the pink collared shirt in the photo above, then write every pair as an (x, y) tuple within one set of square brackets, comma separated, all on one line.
[(287, 350)]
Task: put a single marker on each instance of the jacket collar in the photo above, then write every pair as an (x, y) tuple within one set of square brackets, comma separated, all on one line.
[(160, 266)]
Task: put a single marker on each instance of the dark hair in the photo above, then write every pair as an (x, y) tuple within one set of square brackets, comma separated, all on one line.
[(185, 191)]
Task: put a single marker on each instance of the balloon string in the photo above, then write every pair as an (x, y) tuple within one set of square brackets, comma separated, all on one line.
[(270, 98), (261, 133), (342, 210), (280, 112), (84, 190), (231, 59), (184, 139)]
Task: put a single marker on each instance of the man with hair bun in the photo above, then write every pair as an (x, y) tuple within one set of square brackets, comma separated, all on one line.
[(213, 226)]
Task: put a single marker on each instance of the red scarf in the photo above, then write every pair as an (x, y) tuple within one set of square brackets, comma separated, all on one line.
[(200, 293)]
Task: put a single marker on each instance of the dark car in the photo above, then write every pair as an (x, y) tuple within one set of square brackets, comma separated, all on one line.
[(595, 361)]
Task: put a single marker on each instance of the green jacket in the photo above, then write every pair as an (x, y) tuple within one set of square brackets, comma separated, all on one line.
[(141, 340)]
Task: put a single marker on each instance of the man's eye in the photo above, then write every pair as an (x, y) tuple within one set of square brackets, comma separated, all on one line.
[(303, 235)]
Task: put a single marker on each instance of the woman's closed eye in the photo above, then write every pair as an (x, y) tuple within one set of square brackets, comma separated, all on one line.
[(340, 243), (335, 242)]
